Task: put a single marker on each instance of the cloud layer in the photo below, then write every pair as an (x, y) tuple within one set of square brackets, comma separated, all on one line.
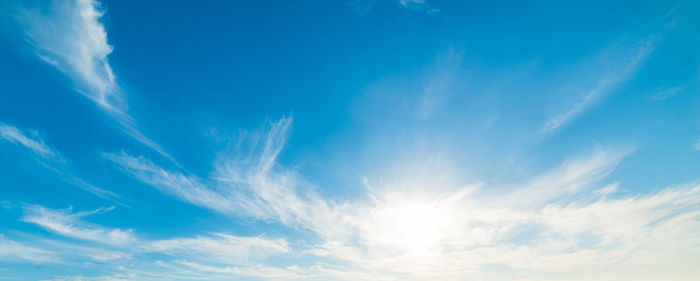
[(564, 221)]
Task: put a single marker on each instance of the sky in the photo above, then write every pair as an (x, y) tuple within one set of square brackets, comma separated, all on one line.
[(349, 140)]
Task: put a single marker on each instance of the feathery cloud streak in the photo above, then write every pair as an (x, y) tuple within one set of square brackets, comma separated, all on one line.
[(219, 248), (616, 65), (34, 142), (68, 224), (70, 37), (58, 163), (246, 181), (14, 251)]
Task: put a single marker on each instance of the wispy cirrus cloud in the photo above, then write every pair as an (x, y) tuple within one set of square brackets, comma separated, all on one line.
[(70, 36), (185, 187), (609, 70), (246, 181), (15, 251), (364, 7), (572, 176), (219, 248), (67, 223), (419, 5), (57, 162), (437, 88), (33, 142), (666, 93)]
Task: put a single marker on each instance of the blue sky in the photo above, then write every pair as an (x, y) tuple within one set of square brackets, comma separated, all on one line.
[(349, 140)]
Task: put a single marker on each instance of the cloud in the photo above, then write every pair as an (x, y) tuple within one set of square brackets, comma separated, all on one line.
[(249, 168), (666, 93), (204, 256), (70, 36), (438, 84), (364, 7), (564, 218), (13, 251), (418, 5), (553, 223), (610, 69), (571, 176), (106, 194), (568, 225), (246, 181), (34, 142), (66, 223), (608, 189), (463, 237), (37, 146), (188, 188), (219, 248), (557, 218)]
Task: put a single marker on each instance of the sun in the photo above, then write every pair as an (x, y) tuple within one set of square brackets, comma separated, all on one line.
[(410, 227), (419, 226)]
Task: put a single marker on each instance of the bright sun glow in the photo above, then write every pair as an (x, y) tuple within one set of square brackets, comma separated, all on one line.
[(419, 226), (406, 227)]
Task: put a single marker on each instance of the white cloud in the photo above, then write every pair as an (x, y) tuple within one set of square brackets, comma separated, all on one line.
[(70, 36), (34, 142), (202, 255), (462, 233), (13, 251), (246, 181), (570, 177), (364, 7), (438, 84), (66, 223), (609, 70), (256, 271), (91, 188), (419, 5), (249, 168), (188, 188), (463, 238), (219, 248), (608, 189), (545, 225), (666, 93), (37, 146)]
